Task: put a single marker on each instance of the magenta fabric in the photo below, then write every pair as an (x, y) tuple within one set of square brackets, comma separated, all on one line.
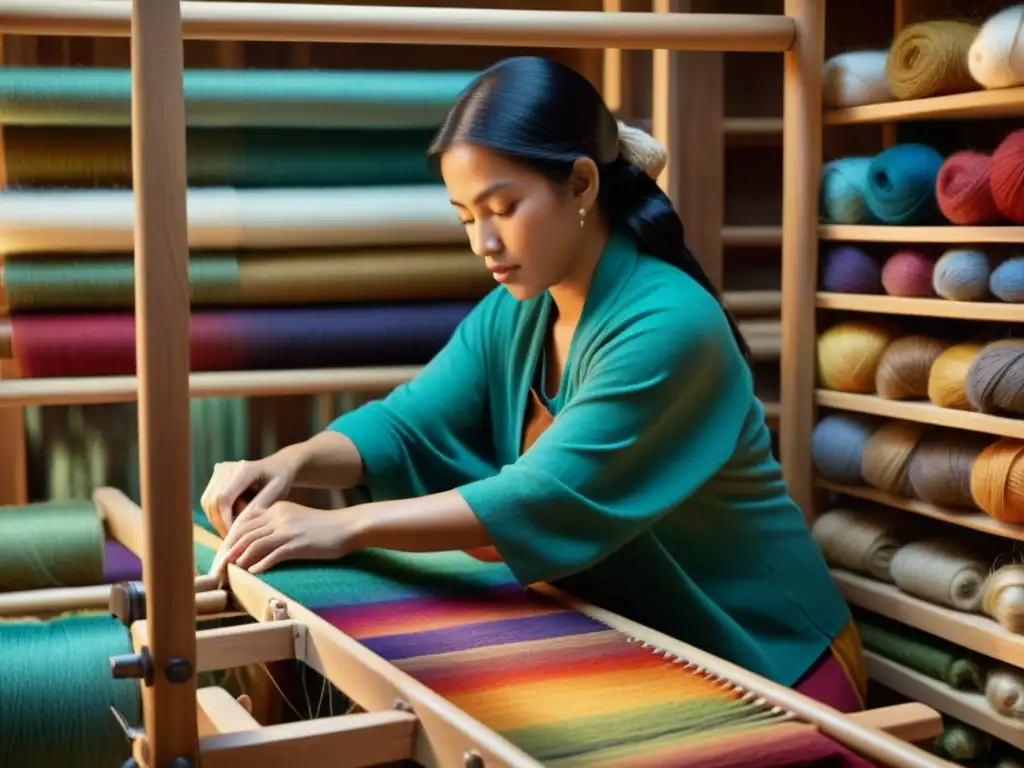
[(828, 683)]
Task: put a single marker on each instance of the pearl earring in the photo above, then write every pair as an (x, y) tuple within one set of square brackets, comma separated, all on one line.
[(583, 215)]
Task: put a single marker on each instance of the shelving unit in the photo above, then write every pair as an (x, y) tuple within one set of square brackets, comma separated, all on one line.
[(974, 632)]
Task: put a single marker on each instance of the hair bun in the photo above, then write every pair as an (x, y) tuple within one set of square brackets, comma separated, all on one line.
[(639, 148)]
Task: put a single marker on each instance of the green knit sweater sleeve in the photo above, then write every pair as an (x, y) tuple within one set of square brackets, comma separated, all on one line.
[(429, 434), (659, 410)]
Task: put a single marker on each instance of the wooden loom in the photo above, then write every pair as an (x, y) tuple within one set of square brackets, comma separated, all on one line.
[(403, 718)]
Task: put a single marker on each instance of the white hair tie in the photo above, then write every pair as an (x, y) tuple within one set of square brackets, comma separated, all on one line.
[(642, 150)]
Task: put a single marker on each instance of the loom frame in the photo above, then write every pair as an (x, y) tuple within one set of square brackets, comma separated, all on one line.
[(410, 720), (163, 533)]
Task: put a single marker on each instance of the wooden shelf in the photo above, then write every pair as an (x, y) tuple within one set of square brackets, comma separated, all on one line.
[(965, 706), (124, 389), (964, 518), (754, 302), (900, 305), (978, 633), (925, 413), (866, 233), (975, 105), (752, 237)]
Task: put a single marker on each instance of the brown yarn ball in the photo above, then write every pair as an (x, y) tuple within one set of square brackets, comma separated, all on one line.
[(995, 380), (941, 466), (947, 381), (905, 365), (930, 59), (886, 458), (997, 480)]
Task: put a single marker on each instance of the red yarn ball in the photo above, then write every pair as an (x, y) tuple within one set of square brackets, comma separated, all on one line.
[(908, 273), (962, 189), (1006, 177)]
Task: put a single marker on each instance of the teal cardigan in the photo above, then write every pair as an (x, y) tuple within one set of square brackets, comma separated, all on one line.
[(654, 493)]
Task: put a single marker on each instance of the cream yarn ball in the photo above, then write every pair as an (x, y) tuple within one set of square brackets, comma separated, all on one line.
[(996, 57)]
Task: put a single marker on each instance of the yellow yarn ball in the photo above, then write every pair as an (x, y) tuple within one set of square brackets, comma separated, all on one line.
[(947, 380), (848, 355)]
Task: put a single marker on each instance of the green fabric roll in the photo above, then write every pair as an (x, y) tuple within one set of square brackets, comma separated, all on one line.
[(236, 98), (931, 656), (59, 156), (38, 283)]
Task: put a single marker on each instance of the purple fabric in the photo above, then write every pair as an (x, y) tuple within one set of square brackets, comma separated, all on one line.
[(468, 636), (119, 563)]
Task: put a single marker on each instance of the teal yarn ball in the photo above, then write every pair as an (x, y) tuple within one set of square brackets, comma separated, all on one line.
[(837, 444), (841, 191), (1007, 281), (56, 691), (961, 275), (900, 186)]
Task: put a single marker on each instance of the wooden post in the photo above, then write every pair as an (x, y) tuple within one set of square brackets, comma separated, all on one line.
[(688, 117), (802, 121), (162, 359)]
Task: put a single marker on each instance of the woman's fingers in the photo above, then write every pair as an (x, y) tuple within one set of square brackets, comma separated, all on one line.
[(250, 520), (262, 547)]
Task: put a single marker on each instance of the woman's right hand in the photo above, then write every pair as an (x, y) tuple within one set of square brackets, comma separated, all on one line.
[(224, 499)]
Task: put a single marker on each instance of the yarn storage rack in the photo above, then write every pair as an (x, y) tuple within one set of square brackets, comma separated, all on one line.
[(976, 631), (434, 731)]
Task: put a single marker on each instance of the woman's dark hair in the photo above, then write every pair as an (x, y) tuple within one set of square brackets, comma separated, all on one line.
[(546, 115)]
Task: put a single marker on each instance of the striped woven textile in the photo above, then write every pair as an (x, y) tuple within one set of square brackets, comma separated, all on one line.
[(563, 687)]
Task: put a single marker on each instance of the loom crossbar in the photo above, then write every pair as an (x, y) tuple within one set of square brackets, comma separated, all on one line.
[(298, 22), (446, 734)]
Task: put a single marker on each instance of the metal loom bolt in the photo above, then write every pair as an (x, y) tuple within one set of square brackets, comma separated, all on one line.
[(472, 760), (178, 671), (402, 706)]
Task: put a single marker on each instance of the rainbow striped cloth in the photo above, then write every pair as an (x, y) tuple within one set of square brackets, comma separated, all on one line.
[(563, 687)]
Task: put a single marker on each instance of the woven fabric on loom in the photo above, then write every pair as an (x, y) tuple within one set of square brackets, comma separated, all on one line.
[(563, 687)]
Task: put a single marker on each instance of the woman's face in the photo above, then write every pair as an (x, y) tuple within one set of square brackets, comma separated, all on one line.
[(526, 229)]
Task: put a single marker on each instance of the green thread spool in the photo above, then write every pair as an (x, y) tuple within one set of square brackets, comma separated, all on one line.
[(56, 544), (56, 691)]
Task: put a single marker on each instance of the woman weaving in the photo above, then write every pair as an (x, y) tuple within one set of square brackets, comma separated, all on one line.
[(592, 422)]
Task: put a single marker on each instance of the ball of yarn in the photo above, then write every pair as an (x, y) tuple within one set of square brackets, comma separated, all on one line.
[(859, 540), (837, 444), (961, 743), (962, 189), (1007, 280), (1006, 176), (942, 571), (886, 458), (961, 275), (940, 469), (908, 273), (841, 194), (947, 382), (930, 58), (1004, 691), (900, 185), (997, 480), (996, 57), (848, 355), (905, 365), (855, 78), (847, 269), (995, 379), (1004, 598)]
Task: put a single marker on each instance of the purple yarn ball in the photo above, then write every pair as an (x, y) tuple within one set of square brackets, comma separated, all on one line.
[(847, 269)]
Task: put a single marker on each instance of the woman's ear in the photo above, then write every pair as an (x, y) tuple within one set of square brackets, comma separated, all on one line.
[(585, 183)]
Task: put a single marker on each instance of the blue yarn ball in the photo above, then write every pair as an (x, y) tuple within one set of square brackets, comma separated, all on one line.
[(961, 275), (837, 444), (900, 186), (841, 191), (1007, 281)]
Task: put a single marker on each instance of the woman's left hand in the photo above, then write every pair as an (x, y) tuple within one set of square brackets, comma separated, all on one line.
[(261, 538)]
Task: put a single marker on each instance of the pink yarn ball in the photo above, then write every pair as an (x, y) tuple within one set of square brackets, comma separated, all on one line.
[(908, 273)]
